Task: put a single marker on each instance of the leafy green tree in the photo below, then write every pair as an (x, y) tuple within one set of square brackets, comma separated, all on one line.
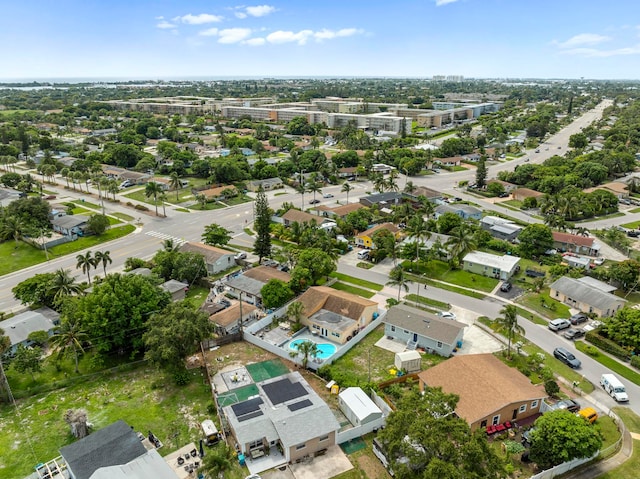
[(174, 333), (70, 337), (5, 344), (276, 293), (28, 360), (306, 349), (317, 262), (448, 222), (153, 189), (481, 173), (425, 440), (495, 189), (560, 436), (102, 258), (86, 262), (216, 235), (39, 338), (12, 227), (626, 273), (508, 324), (398, 278), (385, 245), (535, 239), (116, 311), (97, 224), (578, 140), (623, 328), (36, 290), (551, 388), (218, 460), (262, 226)]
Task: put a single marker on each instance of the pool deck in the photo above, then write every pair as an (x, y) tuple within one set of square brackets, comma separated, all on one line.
[(307, 336)]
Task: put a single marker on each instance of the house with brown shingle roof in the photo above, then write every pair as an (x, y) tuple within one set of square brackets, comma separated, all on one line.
[(575, 243), (216, 259), (266, 273), (226, 321), (336, 315), (217, 193), (621, 190), (490, 392), (521, 194), (365, 239), (297, 216), (337, 211), (419, 329)]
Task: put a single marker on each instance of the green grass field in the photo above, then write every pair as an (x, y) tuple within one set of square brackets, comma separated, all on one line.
[(443, 272), (428, 301), (352, 289), (357, 281), (544, 305)]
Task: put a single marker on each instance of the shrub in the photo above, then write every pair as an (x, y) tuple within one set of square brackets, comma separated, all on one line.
[(607, 345), (551, 388), (141, 207), (211, 409), (181, 378), (593, 351), (635, 362)]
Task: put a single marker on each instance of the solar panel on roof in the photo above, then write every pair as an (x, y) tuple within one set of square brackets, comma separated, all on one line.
[(247, 407), (283, 390), (248, 416), (299, 405)]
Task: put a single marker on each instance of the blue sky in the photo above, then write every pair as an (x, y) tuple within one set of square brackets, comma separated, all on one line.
[(156, 39)]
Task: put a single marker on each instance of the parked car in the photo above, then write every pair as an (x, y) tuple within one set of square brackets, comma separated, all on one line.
[(579, 318), (447, 315), (538, 151), (633, 233), (573, 333), (313, 202), (566, 357), (598, 261), (568, 404), (327, 195), (505, 287), (558, 324), (240, 256)]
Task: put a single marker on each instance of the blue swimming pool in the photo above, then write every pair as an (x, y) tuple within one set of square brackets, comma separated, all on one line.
[(325, 350)]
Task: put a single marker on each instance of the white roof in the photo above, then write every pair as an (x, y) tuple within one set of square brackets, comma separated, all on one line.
[(408, 355), (495, 220), (18, 327), (504, 263), (359, 403), (148, 465)]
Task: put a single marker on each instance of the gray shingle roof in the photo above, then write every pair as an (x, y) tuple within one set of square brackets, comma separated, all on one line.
[(424, 324), (585, 293), (21, 325), (69, 221)]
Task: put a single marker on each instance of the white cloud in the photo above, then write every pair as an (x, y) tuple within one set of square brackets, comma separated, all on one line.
[(439, 3), (200, 19), (325, 34), (260, 10), (164, 25), (255, 42), (283, 36), (233, 35), (583, 39), (594, 52), (241, 15), (211, 32)]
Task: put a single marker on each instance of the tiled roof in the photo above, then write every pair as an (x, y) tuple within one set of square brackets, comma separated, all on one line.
[(211, 253), (340, 302), (386, 226), (231, 314), (572, 239), (298, 216), (265, 273)]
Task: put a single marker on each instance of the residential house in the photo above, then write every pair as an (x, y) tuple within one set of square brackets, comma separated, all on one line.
[(349, 172), (150, 464), (177, 289), (490, 392), (448, 162), (358, 408), (472, 157), (336, 315), (382, 199), (227, 320), (104, 132), (113, 445), (581, 262), (575, 243), (422, 191), (267, 184), (70, 225), (336, 211), (491, 265), (522, 194), (123, 174), (508, 187), (465, 212), (585, 296), (300, 217), (19, 327), (500, 228), (248, 286), (286, 414), (216, 259), (217, 193), (436, 242), (418, 329), (620, 190), (382, 168), (365, 239)]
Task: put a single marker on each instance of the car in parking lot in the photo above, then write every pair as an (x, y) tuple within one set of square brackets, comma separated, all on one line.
[(579, 318), (573, 333), (558, 324), (566, 357), (505, 287), (568, 404)]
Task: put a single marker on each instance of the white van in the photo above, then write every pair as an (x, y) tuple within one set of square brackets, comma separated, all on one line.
[(211, 434), (614, 387), (364, 254)]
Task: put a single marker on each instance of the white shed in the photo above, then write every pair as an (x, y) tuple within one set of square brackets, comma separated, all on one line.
[(358, 407), (409, 361)]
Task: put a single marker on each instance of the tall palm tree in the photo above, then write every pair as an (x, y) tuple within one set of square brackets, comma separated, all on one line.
[(508, 324), (307, 349), (417, 228), (63, 285), (313, 186), (104, 258), (175, 183), (85, 262), (12, 227), (295, 312), (112, 187), (398, 278), (346, 188), (461, 242), (69, 337), (379, 183), (65, 172), (153, 189), (163, 200), (169, 245), (409, 187)]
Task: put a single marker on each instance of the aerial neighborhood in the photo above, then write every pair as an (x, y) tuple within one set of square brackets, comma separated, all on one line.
[(286, 279)]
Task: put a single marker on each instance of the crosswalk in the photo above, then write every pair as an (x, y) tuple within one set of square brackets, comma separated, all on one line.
[(164, 236)]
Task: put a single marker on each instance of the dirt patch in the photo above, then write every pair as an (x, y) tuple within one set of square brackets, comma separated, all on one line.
[(372, 467)]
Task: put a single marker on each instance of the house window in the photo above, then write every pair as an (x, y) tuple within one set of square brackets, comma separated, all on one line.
[(483, 423), (406, 332), (523, 408), (496, 420), (439, 344), (534, 404), (254, 444), (300, 446), (323, 438), (557, 294), (393, 328)]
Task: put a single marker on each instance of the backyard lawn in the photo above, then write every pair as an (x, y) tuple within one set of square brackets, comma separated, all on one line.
[(544, 305)]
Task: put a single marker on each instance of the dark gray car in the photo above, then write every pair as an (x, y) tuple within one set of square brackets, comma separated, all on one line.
[(567, 358)]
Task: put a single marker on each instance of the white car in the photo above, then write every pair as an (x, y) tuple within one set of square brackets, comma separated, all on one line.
[(447, 315), (327, 195), (598, 261)]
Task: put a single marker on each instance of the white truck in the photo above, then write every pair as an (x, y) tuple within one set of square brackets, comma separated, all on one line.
[(614, 387)]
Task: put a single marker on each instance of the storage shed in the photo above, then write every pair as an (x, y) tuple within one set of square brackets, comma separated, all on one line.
[(409, 361), (358, 407)]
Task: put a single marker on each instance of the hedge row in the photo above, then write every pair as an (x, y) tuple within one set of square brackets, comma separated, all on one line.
[(607, 345)]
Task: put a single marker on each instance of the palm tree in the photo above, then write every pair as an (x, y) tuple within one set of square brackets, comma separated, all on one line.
[(295, 312), (313, 186), (104, 258), (153, 189), (379, 183), (508, 324), (398, 278), (218, 460), (65, 172), (417, 228), (112, 187), (409, 187), (69, 337), (63, 285), (86, 262), (307, 349), (175, 183), (461, 242), (12, 227), (163, 200), (346, 188), (169, 245)]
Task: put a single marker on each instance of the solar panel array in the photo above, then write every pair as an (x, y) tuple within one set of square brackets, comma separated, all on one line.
[(283, 390), (299, 405), (248, 409)]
